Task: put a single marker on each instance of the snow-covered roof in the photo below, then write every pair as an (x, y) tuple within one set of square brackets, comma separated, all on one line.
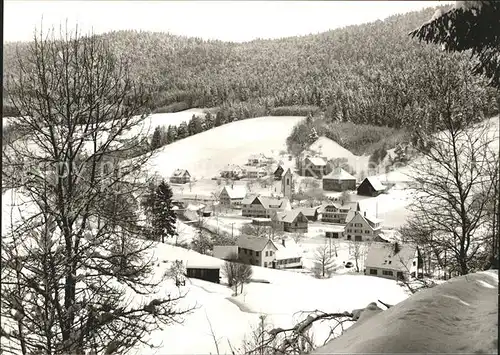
[(288, 251), (340, 206), (438, 320), (232, 168), (267, 202), (254, 169), (339, 174), (288, 216), (253, 243), (317, 161), (225, 251), (376, 184), (180, 172), (334, 228), (309, 211), (371, 220), (384, 255), (236, 191)]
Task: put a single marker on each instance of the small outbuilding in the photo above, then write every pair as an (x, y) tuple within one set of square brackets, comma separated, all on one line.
[(208, 273), (370, 186)]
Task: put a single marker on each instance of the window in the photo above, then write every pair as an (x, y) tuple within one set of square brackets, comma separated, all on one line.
[(358, 238), (390, 262), (256, 253), (251, 252), (244, 251), (387, 273), (270, 253), (267, 253), (367, 232), (373, 271), (414, 263), (265, 263)]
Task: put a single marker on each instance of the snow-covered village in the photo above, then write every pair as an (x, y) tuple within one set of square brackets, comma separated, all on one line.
[(313, 178)]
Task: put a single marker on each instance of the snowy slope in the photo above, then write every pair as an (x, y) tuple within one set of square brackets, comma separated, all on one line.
[(332, 150), (459, 316), (149, 124), (206, 153)]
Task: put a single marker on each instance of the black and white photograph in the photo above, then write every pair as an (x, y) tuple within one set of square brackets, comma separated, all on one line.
[(250, 177)]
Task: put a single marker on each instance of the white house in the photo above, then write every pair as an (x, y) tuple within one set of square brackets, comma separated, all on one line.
[(233, 195), (393, 261), (288, 255), (263, 207), (361, 227)]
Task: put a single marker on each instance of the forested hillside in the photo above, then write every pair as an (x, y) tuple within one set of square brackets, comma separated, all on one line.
[(370, 74)]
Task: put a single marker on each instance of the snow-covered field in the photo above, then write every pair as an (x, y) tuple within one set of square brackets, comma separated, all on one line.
[(458, 316), (164, 120), (206, 153), (286, 294), (331, 149)]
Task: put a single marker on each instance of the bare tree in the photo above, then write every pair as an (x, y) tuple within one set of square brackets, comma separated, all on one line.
[(74, 260), (255, 230), (297, 339), (212, 333), (492, 208), (345, 196), (323, 262), (359, 250), (453, 186), (297, 237), (237, 273)]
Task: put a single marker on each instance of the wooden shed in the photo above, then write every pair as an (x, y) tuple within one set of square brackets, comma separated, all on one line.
[(207, 273)]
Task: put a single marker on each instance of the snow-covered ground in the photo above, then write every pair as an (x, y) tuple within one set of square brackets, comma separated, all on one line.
[(164, 120), (332, 150), (281, 299), (206, 153), (458, 316)]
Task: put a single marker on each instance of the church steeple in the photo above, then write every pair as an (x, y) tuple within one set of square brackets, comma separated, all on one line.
[(286, 184)]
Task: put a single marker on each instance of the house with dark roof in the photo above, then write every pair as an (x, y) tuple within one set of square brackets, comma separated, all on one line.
[(278, 172), (232, 196), (370, 186), (393, 261), (259, 251), (292, 221), (263, 206), (180, 176), (339, 180), (361, 227)]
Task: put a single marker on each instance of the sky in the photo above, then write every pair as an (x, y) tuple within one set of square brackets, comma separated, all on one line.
[(236, 21)]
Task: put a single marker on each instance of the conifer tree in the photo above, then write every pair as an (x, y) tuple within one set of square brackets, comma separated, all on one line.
[(163, 216), (156, 140)]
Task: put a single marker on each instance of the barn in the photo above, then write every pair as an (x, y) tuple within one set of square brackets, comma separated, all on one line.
[(370, 186), (339, 180)]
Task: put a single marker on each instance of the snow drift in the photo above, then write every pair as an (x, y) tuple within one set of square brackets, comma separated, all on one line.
[(459, 316)]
